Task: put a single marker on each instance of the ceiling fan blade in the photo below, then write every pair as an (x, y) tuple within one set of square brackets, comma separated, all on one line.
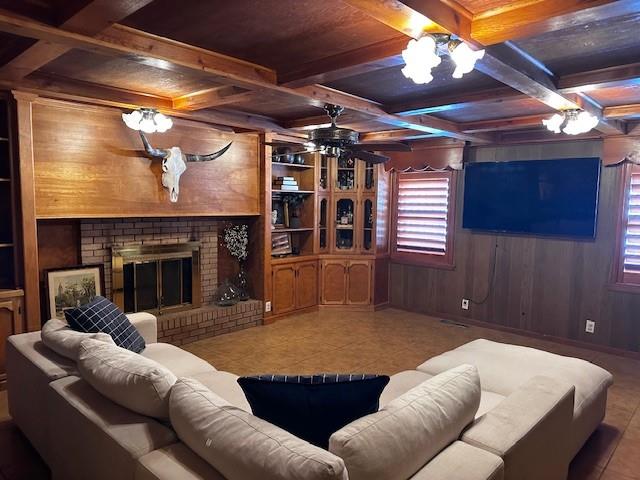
[(368, 156), (383, 147)]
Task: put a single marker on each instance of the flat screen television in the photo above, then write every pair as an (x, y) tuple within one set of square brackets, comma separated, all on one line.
[(537, 197)]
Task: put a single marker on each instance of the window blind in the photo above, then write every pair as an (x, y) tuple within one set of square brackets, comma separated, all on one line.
[(423, 212), (631, 257)]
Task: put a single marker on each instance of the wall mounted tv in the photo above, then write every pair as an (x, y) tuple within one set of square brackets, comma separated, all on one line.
[(537, 197)]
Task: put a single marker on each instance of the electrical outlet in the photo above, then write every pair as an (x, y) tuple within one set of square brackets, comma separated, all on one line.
[(590, 326), (267, 306), (465, 304)]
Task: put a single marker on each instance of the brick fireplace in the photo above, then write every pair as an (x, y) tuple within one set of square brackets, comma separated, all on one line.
[(99, 237)]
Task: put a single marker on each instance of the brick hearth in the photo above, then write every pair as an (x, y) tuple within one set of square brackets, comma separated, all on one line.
[(97, 237)]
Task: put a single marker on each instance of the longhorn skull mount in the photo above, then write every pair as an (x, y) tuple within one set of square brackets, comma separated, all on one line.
[(174, 163)]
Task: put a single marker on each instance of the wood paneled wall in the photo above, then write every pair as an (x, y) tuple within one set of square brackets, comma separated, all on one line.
[(89, 164), (546, 286)]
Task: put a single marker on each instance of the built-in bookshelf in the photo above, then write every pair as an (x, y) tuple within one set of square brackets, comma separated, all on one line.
[(293, 191), (8, 221)]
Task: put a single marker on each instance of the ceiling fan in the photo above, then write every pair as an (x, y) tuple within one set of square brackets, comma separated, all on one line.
[(343, 143)]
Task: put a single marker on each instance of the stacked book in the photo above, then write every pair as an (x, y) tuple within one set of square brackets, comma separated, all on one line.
[(285, 183)]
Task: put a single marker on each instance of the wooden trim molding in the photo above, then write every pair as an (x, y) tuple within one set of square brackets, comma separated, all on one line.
[(24, 103), (621, 281), (446, 261)]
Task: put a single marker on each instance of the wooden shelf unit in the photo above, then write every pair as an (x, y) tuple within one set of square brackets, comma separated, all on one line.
[(9, 255), (334, 271)]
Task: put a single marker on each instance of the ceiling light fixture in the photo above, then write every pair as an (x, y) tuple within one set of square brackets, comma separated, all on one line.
[(571, 122), (149, 120), (422, 55), (464, 58)]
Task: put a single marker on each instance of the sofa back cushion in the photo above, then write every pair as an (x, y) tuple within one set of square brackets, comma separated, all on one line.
[(397, 441), (312, 407), (126, 378), (101, 315), (240, 445), (62, 339)]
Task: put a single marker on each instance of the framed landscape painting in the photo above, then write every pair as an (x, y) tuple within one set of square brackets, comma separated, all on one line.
[(73, 286)]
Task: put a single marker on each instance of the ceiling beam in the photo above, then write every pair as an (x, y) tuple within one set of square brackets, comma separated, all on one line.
[(85, 92), (501, 124), (411, 18), (527, 19), (89, 20), (505, 63), (622, 111), (347, 64), (213, 97), (447, 103), (618, 76), (171, 55), (394, 135)]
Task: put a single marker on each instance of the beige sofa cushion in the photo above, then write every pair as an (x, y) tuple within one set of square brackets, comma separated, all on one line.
[(179, 361), (460, 461), (405, 434), (175, 462), (225, 385), (61, 338), (126, 378), (503, 368), (242, 446)]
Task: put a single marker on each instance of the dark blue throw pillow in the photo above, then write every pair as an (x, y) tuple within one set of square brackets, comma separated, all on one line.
[(100, 315), (313, 407)]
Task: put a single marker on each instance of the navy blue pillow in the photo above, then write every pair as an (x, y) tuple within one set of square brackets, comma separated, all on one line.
[(100, 315), (313, 407)]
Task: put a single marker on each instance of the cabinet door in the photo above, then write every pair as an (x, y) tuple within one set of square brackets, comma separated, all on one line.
[(10, 324), (359, 282), (334, 282), (367, 175), (284, 288), (307, 285), (345, 217), (367, 224)]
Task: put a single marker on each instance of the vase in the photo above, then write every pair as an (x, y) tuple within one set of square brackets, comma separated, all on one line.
[(242, 281), (226, 294)]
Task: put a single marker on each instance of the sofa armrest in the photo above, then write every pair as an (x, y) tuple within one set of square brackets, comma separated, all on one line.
[(146, 324), (529, 430)]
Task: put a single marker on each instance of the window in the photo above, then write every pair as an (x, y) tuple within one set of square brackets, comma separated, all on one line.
[(424, 223), (627, 271)]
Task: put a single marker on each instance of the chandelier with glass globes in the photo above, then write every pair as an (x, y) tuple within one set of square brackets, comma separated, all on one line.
[(571, 122), (424, 54)]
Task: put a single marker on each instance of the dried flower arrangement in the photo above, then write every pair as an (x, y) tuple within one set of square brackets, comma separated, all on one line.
[(236, 239)]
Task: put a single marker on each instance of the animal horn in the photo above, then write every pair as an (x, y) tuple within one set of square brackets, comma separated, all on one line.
[(209, 157), (153, 152)]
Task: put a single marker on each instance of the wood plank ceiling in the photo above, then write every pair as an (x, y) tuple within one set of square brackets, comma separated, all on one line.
[(272, 64)]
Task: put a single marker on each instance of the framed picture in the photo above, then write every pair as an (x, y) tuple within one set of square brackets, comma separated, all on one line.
[(72, 286), (280, 244)]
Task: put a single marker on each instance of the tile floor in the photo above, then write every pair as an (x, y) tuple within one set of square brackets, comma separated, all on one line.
[(388, 341)]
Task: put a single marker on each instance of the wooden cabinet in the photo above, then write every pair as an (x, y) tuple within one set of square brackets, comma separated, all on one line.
[(10, 322), (284, 288), (359, 282), (334, 282), (346, 282), (295, 286)]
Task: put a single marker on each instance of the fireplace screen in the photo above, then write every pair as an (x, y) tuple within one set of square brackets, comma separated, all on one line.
[(156, 278)]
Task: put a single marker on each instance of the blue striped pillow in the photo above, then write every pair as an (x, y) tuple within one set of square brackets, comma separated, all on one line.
[(313, 407), (100, 315)]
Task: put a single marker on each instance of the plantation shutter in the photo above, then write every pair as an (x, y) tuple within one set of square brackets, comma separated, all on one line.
[(423, 212), (631, 257)]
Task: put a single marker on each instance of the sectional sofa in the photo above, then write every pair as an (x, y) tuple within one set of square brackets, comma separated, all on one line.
[(534, 410)]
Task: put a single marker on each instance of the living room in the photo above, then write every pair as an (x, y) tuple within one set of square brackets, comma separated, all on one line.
[(350, 239)]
